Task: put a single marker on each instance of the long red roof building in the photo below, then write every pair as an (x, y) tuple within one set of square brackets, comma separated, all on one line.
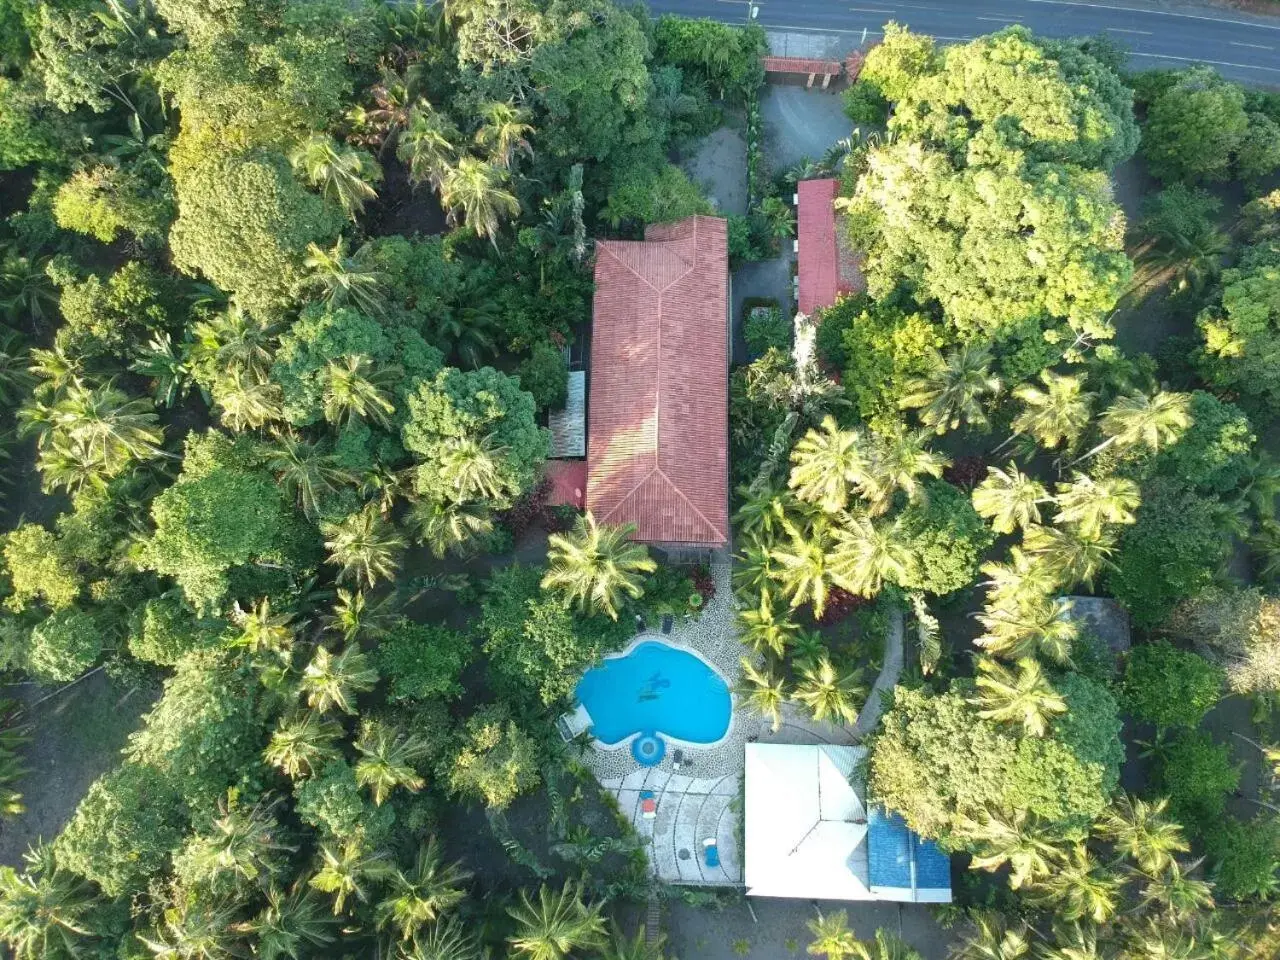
[(657, 443), (826, 268)]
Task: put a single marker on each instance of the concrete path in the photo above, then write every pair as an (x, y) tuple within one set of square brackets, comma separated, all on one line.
[(890, 671)]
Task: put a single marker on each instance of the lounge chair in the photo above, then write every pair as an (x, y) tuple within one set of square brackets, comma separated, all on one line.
[(648, 804), (711, 852)]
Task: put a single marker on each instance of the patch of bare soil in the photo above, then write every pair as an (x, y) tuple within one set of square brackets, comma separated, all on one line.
[(401, 208), (76, 736)]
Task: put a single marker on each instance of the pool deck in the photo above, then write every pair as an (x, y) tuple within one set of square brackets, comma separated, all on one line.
[(703, 798)]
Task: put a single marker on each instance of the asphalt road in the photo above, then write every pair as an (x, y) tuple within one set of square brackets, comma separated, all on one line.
[(1241, 46)]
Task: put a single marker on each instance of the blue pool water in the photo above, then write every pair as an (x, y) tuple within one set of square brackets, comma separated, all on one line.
[(655, 689)]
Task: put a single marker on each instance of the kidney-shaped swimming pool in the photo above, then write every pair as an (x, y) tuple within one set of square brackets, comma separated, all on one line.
[(653, 689)]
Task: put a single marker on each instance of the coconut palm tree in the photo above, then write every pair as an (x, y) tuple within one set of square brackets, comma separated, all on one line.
[(762, 511), (1190, 256), (764, 628), (103, 426), (387, 760), (364, 546), (478, 192), (27, 292), (469, 331), (622, 947), (829, 693), (504, 132), (1140, 831), (446, 526), (428, 144), (1072, 556), (595, 566), (1024, 697), (306, 474), (953, 390), (15, 374), (830, 464), (1090, 503), (1073, 942), (232, 341), (334, 681), (339, 278), (355, 617), (1142, 421), (472, 469), (354, 389), (557, 925), (1175, 895), (302, 744), (754, 568), (1009, 499), (1057, 414), (243, 843), (444, 940), (1157, 940), (866, 554), (804, 563), (418, 898), (161, 363), (1020, 841), (995, 939), (762, 692), (1080, 888), (45, 912), (347, 870), (290, 924), (202, 928), (832, 937), (901, 459), (344, 175), (244, 403), (1023, 580), (1042, 627)]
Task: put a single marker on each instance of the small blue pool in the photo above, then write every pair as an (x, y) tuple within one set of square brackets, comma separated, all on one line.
[(655, 690)]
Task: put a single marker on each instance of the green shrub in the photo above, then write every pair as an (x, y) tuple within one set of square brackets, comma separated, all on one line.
[(1170, 687), (865, 105), (167, 629), (767, 327), (545, 374), (422, 661), (946, 537), (1245, 857), (63, 646), (1197, 774)]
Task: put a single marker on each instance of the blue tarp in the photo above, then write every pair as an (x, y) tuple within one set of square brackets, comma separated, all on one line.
[(892, 851)]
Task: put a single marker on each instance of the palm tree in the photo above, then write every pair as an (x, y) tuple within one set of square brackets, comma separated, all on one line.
[(242, 843), (754, 569), (15, 376), (355, 390), (1073, 942), (1142, 421), (828, 464), (341, 279), (262, 631), (347, 870), (762, 692), (244, 403), (45, 912), (1019, 841), (1091, 503), (995, 940), (302, 744), (1025, 697), (804, 564), (901, 459), (473, 469), (27, 292), (1072, 556), (477, 190), (290, 924), (867, 554), (450, 525), (1024, 580), (233, 341), (1140, 831), (1190, 256), (427, 145), (333, 681), (1036, 627), (504, 133), (832, 937), (764, 628), (202, 928), (364, 546), (102, 425), (828, 693), (761, 512), (344, 175), (1173, 894), (387, 759), (952, 391), (622, 947), (306, 475), (445, 940), (161, 363), (557, 925), (354, 617), (1009, 499), (467, 332), (1080, 888), (1157, 940), (418, 898), (1057, 414), (595, 566)]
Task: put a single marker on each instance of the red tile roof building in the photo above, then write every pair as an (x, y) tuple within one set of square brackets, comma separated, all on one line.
[(826, 268), (657, 442), (567, 481)]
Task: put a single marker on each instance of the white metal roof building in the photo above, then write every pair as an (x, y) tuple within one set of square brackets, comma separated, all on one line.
[(809, 833)]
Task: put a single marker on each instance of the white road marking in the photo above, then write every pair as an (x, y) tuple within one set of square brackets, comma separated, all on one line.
[(1214, 63), (1253, 46), (1145, 33), (1000, 19), (870, 10), (1159, 13)]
